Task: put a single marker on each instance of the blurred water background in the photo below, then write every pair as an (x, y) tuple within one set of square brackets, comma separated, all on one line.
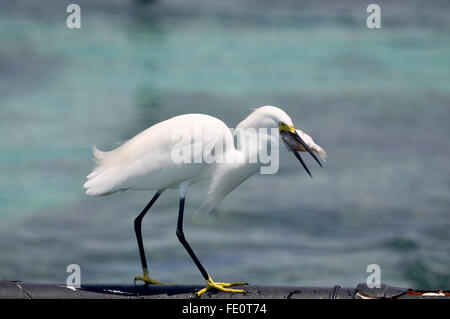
[(377, 100)]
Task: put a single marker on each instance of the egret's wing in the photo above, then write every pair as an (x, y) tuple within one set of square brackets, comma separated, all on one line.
[(146, 161), (143, 162)]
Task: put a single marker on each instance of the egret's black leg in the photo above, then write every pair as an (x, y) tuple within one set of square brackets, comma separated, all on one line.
[(211, 284), (180, 235), (137, 228), (138, 231)]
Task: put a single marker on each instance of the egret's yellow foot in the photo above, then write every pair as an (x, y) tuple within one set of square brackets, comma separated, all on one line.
[(221, 286), (150, 281)]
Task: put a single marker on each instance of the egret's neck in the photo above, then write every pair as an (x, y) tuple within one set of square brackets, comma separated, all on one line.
[(255, 139)]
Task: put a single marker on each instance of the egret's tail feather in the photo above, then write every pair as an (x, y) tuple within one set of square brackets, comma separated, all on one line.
[(99, 156), (105, 178), (100, 182)]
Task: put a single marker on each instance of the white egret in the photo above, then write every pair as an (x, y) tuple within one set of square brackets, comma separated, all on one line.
[(146, 162)]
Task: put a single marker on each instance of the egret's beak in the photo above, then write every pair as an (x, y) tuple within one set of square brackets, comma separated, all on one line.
[(295, 143)]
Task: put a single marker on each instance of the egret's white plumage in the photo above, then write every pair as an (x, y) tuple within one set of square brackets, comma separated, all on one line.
[(144, 162)]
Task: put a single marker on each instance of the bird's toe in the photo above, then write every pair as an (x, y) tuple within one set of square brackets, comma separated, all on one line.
[(150, 281), (221, 286)]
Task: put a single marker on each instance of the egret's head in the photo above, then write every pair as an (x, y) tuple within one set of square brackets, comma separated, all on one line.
[(296, 144), (267, 117), (295, 140)]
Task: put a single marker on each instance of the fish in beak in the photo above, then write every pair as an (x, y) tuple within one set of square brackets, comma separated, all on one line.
[(296, 144)]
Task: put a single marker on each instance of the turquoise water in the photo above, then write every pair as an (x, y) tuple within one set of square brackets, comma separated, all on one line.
[(377, 100)]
